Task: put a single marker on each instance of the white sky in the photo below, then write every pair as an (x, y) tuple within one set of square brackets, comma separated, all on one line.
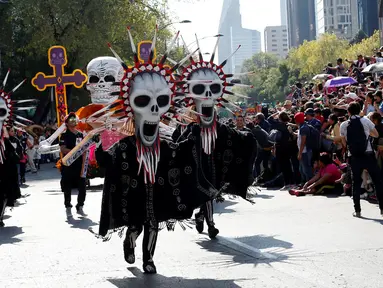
[(256, 14)]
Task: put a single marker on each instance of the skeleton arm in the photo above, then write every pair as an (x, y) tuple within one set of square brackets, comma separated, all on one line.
[(45, 147)]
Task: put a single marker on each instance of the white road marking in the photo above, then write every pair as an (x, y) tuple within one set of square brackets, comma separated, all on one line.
[(244, 248)]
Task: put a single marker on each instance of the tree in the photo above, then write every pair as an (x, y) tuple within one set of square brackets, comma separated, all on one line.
[(30, 27), (358, 37)]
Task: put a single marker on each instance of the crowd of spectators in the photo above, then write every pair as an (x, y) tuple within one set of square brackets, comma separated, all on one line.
[(324, 138)]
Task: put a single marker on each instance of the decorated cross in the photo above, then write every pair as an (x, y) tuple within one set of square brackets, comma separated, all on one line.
[(57, 60)]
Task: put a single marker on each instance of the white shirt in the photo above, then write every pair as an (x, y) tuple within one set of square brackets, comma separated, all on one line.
[(367, 125)]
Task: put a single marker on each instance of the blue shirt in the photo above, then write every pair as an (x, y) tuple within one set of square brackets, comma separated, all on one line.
[(315, 123)]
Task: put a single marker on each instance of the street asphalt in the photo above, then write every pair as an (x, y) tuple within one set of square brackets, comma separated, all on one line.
[(280, 241)]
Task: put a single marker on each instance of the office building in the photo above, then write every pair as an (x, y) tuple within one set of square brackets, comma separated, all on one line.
[(283, 8), (337, 16), (301, 24), (368, 16), (234, 35), (276, 41)]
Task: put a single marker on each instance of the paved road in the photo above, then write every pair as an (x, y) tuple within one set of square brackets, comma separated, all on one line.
[(281, 241)]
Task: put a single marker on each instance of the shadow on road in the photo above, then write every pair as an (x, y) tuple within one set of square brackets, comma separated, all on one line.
[(221, 208), (277, 251), (82, 223), (142, 280), (8, 234)]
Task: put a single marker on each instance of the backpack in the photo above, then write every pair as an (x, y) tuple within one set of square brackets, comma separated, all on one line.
[(313, 140), (356, 138), (275, 136)]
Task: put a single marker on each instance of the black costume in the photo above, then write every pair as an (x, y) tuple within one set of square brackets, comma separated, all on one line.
[(180, 187), (10, 190), (230, 163), (72, 176)]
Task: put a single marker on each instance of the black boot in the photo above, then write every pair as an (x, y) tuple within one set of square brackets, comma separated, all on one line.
[(150, 268), (213, 232), (132, 234), (199, 222)]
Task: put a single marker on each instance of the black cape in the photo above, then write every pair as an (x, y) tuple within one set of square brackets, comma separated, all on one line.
[(232, 160), (9, 177), (180, 185)]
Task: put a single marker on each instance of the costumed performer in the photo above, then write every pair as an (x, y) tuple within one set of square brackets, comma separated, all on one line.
[(9, 184), (148, 180), (228, 155)]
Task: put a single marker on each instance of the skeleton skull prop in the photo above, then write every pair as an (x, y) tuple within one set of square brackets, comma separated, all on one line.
[(4, 113), (205, 87), (149, 99), (103, 72)]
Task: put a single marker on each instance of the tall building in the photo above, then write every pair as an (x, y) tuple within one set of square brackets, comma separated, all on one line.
[(337, 16), (368, 16), (301, 22), (234, 34), (283, 8), (276, 41)]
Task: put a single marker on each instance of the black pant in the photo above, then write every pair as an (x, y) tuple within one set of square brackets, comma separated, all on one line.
[(68, 183), (206, 213), (22, 171), (262, 158), (148, 243), (283, 156), (358, 164)]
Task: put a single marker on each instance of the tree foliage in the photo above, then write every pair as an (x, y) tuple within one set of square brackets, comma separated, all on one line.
[(273, 77), (29, 27)]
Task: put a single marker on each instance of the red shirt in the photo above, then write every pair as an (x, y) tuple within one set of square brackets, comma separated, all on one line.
[(320, 118), (333, 171)]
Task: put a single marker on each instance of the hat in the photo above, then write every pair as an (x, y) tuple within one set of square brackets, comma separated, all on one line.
[(288, 102), (309, 111), (299, 118), (352, 95)]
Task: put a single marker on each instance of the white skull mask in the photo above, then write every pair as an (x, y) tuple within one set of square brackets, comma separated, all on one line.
[(102, 73), (209, 91), (150, 98), (4, 113)]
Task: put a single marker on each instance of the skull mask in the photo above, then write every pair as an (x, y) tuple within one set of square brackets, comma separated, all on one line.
[(57, 56), (4, 113), (209, 91), (102, 73), (150, 98)]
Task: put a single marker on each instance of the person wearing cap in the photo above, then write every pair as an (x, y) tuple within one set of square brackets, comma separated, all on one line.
[(305, 153), (310, 118), (72, 176)]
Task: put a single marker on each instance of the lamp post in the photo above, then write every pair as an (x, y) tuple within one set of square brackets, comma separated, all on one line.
[(218, 35), (172, 23)]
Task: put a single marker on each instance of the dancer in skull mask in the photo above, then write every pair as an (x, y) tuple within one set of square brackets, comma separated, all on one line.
[(228, 155), (9, 185), (142, 189), (74, 175)]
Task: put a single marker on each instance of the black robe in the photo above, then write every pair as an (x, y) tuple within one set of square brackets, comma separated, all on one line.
[(180, 185), (9, 177), (231, 161)]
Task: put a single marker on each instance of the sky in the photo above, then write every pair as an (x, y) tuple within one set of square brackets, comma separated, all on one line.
[(256, 14)]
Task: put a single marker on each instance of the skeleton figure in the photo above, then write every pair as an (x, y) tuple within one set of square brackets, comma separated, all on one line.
[(206, 87), (149, 99), (4, 113), (57, 56), (103, 72)]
